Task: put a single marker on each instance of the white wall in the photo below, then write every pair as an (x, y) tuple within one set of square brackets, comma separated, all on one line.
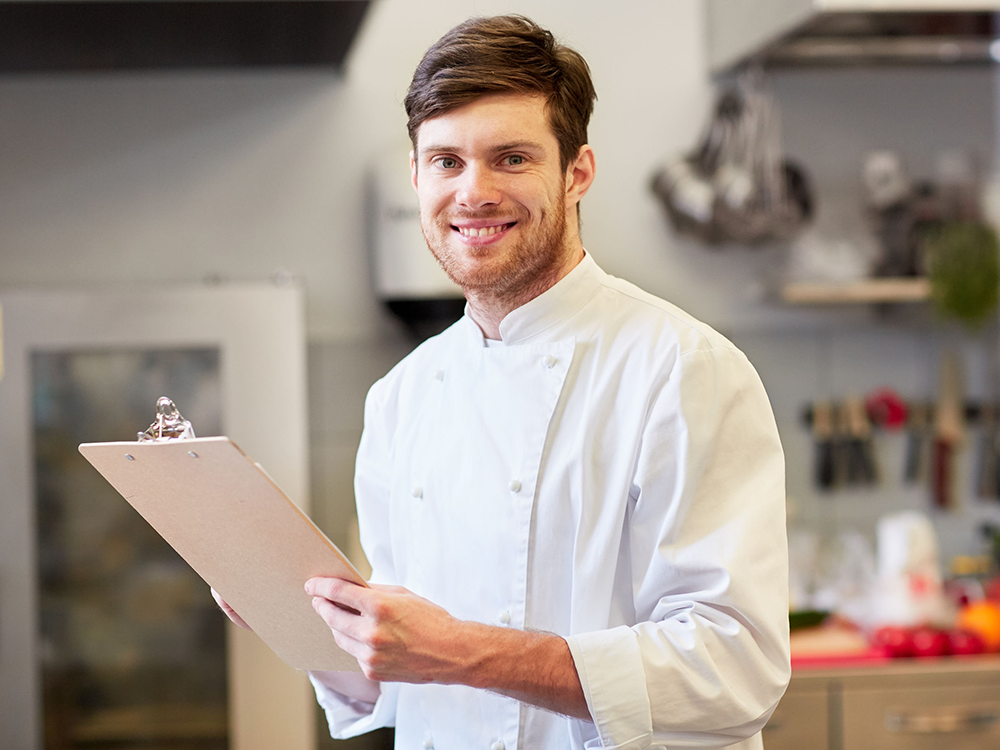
[(180, 176)]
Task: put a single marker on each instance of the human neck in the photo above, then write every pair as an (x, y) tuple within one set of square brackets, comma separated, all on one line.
[(489, 307)]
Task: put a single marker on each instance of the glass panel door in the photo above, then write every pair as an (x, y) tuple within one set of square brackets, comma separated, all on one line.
[(132, 652), (107, 638)]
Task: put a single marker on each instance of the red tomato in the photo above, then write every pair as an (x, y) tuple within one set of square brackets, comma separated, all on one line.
[(965, 643), (894, 640), (929, 641)]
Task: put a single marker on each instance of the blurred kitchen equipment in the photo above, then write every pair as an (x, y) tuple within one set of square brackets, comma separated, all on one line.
[(889, 200), (949, 429), (885, 180), (841, 446), (918, 431), (822, 429), (845, 576), (736, 187), (886, 408), (910, 590), (861, 453), (958, 186), (815, 256), (986, 469), (847, 33)]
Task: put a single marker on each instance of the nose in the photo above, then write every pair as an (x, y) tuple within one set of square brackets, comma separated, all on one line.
[(478, 187)]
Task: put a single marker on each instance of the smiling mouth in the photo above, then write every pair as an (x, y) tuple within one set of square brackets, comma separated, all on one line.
[(483, 231)]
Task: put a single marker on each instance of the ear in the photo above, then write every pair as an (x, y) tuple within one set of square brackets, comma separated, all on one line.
[(413, 170), (580, 175)]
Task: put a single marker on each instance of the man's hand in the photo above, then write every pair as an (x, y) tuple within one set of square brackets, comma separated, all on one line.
[(230, 612), (397, 636), (350, 684)]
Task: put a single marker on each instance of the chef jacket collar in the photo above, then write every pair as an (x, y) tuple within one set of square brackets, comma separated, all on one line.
[(571, 293)]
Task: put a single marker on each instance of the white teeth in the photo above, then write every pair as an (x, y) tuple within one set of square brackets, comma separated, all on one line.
[(483, 232)]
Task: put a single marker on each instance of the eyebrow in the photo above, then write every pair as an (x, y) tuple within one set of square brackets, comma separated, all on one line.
[(512, 146), (519, 146)]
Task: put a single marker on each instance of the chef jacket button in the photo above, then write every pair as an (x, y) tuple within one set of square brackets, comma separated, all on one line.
[(549, 361), (514, 486), (498, 745), (439, 375), (428, 744), (505, 618), (417, 491)]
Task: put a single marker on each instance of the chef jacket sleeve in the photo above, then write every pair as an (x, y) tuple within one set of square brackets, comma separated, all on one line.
[(708, 657), (348, 717)]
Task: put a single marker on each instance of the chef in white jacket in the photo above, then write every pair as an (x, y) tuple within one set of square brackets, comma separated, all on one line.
[(573, 498)]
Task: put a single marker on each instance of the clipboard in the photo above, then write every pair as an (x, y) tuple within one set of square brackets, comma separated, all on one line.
[(232, 524)]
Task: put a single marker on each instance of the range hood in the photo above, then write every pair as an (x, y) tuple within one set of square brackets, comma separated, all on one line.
[(108, 35), (777, 33)]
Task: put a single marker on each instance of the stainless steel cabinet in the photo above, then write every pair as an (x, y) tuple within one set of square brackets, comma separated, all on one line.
[(939, 704), (800, 721)]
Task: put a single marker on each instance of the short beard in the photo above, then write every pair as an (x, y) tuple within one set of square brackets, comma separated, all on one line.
[(530, 268)]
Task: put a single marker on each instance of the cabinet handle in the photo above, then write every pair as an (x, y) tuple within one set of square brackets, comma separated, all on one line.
[(940, 723)]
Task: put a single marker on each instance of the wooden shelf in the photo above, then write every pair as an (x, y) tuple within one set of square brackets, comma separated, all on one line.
[(870, 291)]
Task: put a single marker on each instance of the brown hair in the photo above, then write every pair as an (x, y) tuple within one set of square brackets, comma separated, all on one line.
[(504, 54)]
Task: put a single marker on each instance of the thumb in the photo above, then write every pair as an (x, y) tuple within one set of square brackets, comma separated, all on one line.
[(230, 612)]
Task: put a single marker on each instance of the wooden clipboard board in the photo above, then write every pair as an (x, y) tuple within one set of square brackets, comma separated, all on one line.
[(232, 524)]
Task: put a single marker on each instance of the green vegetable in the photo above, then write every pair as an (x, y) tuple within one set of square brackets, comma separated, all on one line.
[(805, 618), (964, 263)]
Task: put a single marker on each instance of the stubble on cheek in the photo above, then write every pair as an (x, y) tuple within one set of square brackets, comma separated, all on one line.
[(511, 272)]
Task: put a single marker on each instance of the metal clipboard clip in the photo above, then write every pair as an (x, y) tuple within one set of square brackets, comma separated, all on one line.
[(168, 425)]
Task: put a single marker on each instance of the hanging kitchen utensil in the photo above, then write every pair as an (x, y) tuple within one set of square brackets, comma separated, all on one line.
[(822, 429), (862, 454), (736, 187), (844, 469), (986, 472), (917, 428), (889, 201), (996, 453), (949, 430)]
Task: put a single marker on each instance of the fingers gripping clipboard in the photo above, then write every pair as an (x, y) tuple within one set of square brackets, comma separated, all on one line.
[(232, 524)]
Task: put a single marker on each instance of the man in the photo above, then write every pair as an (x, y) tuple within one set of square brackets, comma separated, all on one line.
[(579, 486)]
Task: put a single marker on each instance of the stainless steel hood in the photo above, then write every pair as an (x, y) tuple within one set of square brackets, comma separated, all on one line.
[(52, 36), (849, 32)]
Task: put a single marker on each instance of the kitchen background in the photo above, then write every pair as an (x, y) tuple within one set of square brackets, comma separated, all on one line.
[(163, 178)]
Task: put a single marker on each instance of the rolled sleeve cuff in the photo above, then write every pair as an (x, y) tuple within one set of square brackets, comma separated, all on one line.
[(348, 717), (611, 672)]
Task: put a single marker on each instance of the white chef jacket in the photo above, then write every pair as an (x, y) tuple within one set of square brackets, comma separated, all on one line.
[(612, 474)]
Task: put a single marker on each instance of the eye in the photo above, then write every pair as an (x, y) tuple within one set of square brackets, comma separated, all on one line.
[(446, 162), (514, 160)]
